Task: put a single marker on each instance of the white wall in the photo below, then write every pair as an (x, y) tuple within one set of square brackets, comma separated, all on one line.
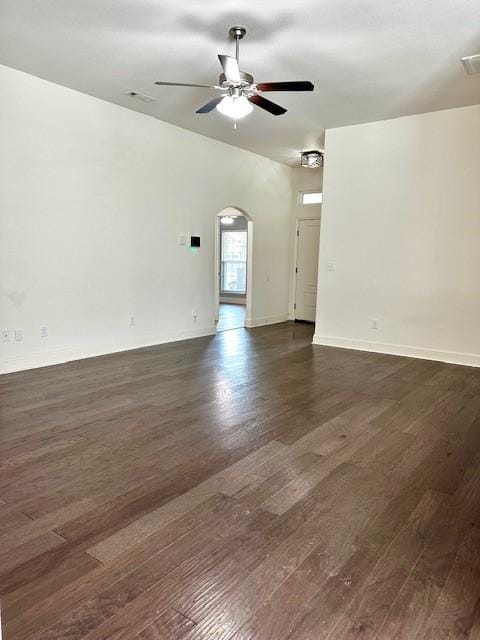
[(401, 224), (93, 198)]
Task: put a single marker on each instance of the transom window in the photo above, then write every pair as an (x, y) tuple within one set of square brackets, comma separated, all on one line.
[(311, 197)]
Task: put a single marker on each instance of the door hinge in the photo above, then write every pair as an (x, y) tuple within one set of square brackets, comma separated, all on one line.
[(296, 269), (295, 305), (298, 232)]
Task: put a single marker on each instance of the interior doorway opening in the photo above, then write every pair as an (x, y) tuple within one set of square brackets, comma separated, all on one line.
[(233, 269)]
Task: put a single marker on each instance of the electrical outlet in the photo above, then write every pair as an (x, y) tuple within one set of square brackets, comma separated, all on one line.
[(6, 335), (330, 266), (18, 335), (132, 321), (374, 324), (44, 332), (194, 314)]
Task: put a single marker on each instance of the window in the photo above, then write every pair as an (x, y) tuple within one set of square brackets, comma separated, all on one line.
[(233, 272), (312, 198)]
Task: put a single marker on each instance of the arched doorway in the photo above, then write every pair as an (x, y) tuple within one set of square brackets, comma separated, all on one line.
[(234, 213)]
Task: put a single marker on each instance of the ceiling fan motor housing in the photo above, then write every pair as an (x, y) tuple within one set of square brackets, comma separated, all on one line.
[(246, 79)]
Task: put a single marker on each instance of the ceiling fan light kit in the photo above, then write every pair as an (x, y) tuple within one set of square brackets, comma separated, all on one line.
[(239, 90), (236, 107)]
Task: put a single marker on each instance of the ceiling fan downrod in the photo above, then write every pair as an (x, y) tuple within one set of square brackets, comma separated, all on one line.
[(237, 33)]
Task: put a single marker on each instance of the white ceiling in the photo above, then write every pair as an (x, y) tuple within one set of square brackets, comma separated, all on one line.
[(369, 59)]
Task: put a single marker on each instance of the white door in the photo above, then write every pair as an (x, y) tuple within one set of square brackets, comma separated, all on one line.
[(307, 269)]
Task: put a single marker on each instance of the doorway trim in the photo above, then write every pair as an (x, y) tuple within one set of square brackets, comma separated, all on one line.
[(249, 297), (295, 258)]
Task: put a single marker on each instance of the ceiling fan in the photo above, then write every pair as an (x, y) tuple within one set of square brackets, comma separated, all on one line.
[(239, 90)]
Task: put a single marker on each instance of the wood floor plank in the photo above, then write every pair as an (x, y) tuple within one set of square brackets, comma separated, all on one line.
[(47, 611), (369, 609), (278, 616), (164, 582), (261, 490), (303, 483), (149, 524), (456, 611), (417, 599), (32, 528), (466, 500), (320, 528), (382, 450), (11, 520), (247, 486), (25, 598), (171, 625), (451, 418), (25, 552), (315, 618)]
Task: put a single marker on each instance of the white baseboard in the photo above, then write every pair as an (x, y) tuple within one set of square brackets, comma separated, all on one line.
[(452, 357), (46, 358), (239, 300), (260, 322)]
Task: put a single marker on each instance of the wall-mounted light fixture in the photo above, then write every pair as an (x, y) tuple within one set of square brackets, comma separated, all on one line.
[(311, 159)]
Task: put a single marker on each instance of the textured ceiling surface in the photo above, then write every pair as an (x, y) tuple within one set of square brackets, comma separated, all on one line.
[(369, 59)]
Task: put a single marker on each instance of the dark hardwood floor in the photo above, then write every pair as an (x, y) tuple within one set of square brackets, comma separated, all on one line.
[(245, 486), (231, 316)]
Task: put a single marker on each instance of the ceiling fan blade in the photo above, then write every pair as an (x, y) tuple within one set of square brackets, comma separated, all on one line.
[(230, 68), (268, 105), (302, 85), (210, 105), (183, 84)]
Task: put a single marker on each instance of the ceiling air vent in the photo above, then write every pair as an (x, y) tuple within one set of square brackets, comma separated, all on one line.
[(140, 96), (472, 64)]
